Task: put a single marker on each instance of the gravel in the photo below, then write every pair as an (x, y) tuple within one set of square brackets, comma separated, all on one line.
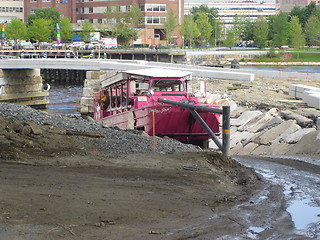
[(115, 141)]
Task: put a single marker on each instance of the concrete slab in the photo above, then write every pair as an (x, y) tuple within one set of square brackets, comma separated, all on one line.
[(239, 137), (267, 137), (261, 150), (276, 120), (296, 136), (244, 118), (281, 148), (289, 131), (312, 99), (309, 143), (236, 149), (246, 150), (255, 123), (301, 120)]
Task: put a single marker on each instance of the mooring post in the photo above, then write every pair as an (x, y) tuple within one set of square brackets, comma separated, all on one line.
[(226, 131)]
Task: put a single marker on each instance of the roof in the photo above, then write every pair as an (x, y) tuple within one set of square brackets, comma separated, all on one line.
[(159, 72)]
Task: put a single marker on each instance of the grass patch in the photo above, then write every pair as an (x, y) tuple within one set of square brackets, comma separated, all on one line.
[(305, 57)]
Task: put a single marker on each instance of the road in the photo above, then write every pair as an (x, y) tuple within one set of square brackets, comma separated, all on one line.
[(300, 179)]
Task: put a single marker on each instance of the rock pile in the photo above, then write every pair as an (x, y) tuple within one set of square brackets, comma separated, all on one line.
[(274, 132)]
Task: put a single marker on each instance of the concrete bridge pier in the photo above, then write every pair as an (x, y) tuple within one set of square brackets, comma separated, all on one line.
[(23, 87)]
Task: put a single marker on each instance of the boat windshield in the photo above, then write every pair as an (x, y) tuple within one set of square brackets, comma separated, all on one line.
[(167, 86)]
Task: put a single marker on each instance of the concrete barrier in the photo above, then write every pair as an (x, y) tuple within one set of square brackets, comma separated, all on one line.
[(309, 95)]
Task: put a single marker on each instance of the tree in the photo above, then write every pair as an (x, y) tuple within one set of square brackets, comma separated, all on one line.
[(215, 22), (238, 26), (260, 32), (16, 30), (170, 25), (279, 27), (134, 16), (189, 29), (296, 36), (248, 28), (48, 13), (312, 30), (120, 24), (204, 28), (86, 30), (229, 41), (40, 30), (66, 29), (125, 34)]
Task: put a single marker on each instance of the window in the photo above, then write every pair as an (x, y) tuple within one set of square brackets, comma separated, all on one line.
[(167, 86), (99, 20), (90, 10), (156, 20), (154, 7)]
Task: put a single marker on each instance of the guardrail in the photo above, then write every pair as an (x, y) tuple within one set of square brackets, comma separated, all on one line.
[(225, 111)]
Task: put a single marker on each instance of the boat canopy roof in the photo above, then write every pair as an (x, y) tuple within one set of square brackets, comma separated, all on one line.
[(159, 72)]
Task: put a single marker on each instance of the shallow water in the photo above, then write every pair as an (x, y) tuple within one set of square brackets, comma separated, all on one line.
[(64, 100)]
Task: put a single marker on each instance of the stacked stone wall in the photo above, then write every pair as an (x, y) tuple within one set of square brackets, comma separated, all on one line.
[(92, 85), (23, 86)]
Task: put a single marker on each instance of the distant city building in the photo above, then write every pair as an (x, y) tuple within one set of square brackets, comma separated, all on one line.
[(10, 9), (288, 5), (151, 31), (228, 9)]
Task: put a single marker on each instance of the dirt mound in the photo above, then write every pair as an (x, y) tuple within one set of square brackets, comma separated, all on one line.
[(21, 140)]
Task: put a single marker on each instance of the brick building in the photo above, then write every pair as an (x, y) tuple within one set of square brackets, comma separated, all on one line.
[(151, 31)]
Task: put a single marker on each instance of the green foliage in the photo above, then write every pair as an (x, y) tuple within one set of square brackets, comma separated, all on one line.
[(189, 30), (66, 30), (125, 34), (296, 36), (248, 30), (213, 19), (48, 13), (120, 24), (260, 32), (87, 30), (134, 16), (229, 41), (271, 53), (16, 30), (170, 24), (312, 30), (40, 30), (279, 27), (204, 27)]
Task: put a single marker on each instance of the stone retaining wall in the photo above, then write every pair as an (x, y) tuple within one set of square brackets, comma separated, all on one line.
[(23, 86), (91, 85)]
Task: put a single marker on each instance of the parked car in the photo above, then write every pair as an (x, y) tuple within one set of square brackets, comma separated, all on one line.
[(77, 45), (26, 45)]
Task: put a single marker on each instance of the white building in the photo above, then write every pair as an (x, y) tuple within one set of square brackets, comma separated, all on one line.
[(10, 9), (228, 9)]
